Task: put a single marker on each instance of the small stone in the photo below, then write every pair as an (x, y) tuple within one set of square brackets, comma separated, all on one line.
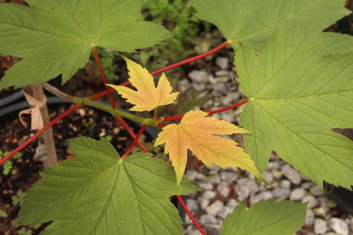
[(243, 192), (320, 212), (219, 89), (199, 86), (312, 201), (198, 76), (339, 226), (261, 197), (223, 189), (184, 85), (316, 191), (192, 205), (191, 230), (232, 203), (307, 185), (320, 226), (209, 195), (281, 193), (222, 73), (206, 186), (277, 174), (228, 176), (273, 165), (268, 176), (204, 203), (291, 174), (208, 219), (285, 184), (297, 194), (222, 62), (214, 208), (225, 211), (191, 175), (309, 219)]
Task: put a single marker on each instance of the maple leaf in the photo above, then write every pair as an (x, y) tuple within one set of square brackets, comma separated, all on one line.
[(147, 97), (195, 132), (296, 97), (253, 22), (55, 37), (266, 217), (98, 193)]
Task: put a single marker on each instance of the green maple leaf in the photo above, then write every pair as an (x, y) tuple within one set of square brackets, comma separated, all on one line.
[(296, 97), (96, 193), (56, 36), (266, 217), (252, 22)]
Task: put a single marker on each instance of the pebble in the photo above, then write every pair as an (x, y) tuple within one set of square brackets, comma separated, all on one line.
[(320, 226), (339, 226), (310, 217), (320, 212), (206, 186), (297, 194), (291, 174), (261, 197), (219, 89), (243, 192), (316, 191), (198, 86), (204, 203), (222, 62), (281, 193), (277, 174), (192, 205), (268, 176), (199, 76), (209, 195), (312, 202), (232, 203), (225, 211), (208, 219), (223, 189), (184, 85), (228, 176), (285, 184), (214, 208)]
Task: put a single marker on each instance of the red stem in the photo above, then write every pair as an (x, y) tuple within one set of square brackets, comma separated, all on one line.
[(133, 144), (211, 112), (196, 223), (111, 98), (104, 78), (41, 131)]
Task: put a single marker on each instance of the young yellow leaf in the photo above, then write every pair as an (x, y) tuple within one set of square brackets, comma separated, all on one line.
[(147, 97), (195, 132)]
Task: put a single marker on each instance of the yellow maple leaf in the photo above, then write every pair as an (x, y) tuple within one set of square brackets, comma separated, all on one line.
[(195, 132), (147, 97)]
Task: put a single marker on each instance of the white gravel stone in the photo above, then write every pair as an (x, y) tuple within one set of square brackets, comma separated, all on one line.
[(320, 212), (191, 230), (199, 86), (214, 208), (184, 85), (309, 219), (277, 174), (206, 186), (225, 211), (243, 192), (192, 205), (291, 174), (223, 189), (204, 203), (268, 176), (209, 195), (222, 62), (232, 203), (320, 226), (219, 89), (208, 219), (261, 197), (198, 76), (285, 184), (281, 193), (316, 191), (228, 176), (191, 175), (312, 201), (339, 226), (297, 194)]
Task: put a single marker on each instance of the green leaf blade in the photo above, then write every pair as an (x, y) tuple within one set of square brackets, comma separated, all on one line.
[(266, 217), (253, 22), (98, 193), (297, 97), (56, 37)]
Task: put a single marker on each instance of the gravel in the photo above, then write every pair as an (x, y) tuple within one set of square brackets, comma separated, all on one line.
[(224, 189)]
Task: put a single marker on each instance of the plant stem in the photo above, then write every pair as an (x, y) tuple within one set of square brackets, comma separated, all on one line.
[(133, 144), (211, 112)]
